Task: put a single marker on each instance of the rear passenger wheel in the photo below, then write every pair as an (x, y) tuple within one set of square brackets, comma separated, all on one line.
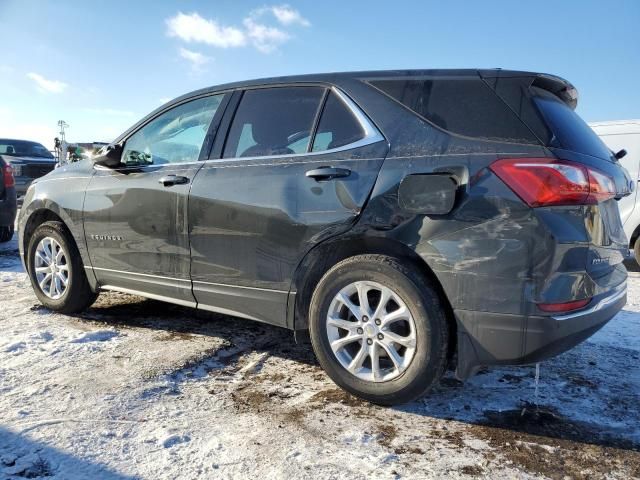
[(56, 270), (379, 329)]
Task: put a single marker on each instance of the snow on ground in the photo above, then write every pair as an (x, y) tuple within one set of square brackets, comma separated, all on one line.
[(135, 388)]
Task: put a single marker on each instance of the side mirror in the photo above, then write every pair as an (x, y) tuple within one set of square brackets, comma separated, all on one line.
[(110, 156)]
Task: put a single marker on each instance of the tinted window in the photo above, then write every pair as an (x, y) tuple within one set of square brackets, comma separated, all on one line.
[(337, 127), (21, 148), (465, 106), (273, 121), (175, 136), (569, 130)]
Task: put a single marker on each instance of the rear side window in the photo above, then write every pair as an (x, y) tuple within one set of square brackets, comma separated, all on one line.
[(464, 106), (570, 132), (273, 121), (338, 126)]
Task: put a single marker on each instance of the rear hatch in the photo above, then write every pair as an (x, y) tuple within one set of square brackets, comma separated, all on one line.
[(546, 104)]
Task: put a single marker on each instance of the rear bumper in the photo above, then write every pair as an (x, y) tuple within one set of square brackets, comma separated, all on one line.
[(486, 338)]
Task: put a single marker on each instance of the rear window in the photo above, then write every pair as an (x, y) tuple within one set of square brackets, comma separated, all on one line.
[(464, 106), (569, 131)]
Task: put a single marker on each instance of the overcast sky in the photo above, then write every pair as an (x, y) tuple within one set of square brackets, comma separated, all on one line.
[(101, 65)]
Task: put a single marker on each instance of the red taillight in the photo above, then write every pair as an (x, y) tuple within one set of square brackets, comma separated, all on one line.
[(544, 182), (7, 173), (563, 307)]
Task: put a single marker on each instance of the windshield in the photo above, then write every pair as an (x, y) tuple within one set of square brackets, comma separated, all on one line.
[(22, 148)]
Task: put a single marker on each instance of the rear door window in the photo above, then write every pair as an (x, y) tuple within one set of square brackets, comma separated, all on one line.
[(569, 131), (464, 106), (338, 126), (273, 121)]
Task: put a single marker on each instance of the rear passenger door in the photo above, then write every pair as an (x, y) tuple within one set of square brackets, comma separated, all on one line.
[(297, 166)]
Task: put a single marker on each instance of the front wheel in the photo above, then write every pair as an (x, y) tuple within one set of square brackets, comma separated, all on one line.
[(379, 329), (56, 270)]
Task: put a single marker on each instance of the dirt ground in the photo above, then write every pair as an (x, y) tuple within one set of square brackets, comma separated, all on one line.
[(135, 388)]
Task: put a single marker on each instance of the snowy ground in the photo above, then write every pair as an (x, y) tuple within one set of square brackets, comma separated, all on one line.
[(135, 388)]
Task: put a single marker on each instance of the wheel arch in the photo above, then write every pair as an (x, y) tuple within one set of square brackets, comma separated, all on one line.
[(35, 219), (38, 214), (319, 260)]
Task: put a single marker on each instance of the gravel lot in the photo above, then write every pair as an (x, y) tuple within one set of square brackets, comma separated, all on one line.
[(135, 388)]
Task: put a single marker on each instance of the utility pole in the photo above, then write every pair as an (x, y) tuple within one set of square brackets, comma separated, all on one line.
[(62, 153)]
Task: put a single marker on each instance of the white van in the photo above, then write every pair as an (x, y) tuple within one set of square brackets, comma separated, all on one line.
[(619, 134)]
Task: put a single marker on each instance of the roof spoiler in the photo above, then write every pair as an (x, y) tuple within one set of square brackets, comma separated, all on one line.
[(554, 84), (559, 87)]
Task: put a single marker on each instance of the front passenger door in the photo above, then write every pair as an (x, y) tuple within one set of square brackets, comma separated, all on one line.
[(135, 215)]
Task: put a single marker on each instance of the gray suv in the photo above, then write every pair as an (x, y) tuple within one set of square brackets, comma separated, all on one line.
[(404, 220)]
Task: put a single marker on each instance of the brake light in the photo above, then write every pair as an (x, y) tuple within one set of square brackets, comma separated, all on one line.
[(544, 182), (563, 307), (7, 174)]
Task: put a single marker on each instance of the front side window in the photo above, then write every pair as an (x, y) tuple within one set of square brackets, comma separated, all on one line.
[(273, 121), (175, 136)]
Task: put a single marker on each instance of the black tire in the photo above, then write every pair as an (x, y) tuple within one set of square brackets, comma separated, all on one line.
[(78, 294), (6, 233), (636, 251), (424, 303)]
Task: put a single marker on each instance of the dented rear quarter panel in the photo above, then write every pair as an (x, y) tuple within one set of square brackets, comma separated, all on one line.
[(491, 253)]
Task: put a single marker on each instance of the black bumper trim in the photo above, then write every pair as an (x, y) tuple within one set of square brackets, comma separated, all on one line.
[(486, 338)]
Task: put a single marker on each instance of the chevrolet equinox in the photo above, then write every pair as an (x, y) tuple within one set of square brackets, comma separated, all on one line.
[(403, 220)]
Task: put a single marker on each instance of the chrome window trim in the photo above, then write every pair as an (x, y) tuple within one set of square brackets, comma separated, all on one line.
[(195, 163), (371, 135)]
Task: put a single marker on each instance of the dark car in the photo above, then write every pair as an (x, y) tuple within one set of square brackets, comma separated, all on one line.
[(29, 160), (406, 220), (8, 202)]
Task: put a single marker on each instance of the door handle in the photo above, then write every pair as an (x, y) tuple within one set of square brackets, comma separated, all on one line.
[(328, 173), (170, 180)]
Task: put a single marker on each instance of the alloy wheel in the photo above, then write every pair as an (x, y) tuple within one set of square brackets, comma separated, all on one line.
[(51, 268), (371, 331)]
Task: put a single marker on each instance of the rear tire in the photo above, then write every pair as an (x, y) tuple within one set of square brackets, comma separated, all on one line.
[(6, 233), (405, 353), (636, 251), (56, 270)]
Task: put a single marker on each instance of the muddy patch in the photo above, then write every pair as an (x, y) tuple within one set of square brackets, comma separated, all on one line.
[(548, 422), (336, 395), (543, 442)]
